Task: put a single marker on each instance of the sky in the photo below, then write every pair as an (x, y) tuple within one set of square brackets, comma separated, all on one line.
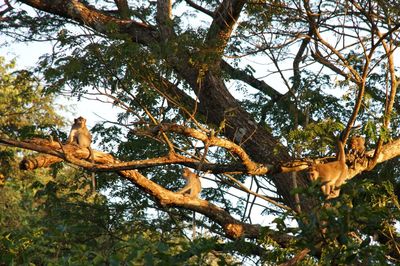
[(27, 56)]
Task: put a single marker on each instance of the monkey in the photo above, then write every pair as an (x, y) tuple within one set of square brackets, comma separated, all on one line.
[(357, 150), (332, 174), (193, 184), (79, 133), (81, 136), (193, 188), (357, 145)]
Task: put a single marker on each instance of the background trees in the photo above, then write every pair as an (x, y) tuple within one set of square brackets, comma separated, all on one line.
[(242, 90)]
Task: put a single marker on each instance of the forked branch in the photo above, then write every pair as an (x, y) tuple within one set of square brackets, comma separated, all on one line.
[(232, 227)]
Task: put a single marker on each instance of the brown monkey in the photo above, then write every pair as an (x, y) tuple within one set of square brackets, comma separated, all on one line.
[(193, 184), (193, 188), (357, 150), (332, 174), (81, 136)]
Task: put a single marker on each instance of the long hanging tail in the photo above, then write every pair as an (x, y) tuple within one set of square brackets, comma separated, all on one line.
[(341, 155), (194, 226), (343, 175), (93, 176)]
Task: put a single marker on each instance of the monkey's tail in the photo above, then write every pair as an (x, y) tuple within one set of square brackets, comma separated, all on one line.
[(93, 175), (341, 156), (194, 226)]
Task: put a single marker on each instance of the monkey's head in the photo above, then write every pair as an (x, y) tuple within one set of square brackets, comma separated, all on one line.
[(313, 173), (357, 142), (80, 122), (186, 173)]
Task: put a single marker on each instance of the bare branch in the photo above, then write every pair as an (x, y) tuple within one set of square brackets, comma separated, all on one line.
[(319, 39), (7, 9), (199, 8), (250, 192)]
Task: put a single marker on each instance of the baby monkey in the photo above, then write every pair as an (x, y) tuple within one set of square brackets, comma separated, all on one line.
[(193, 184), (81, 136), (332, 174), (357, 150)]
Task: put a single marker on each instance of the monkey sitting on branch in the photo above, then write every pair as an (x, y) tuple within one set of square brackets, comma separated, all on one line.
[(193, 184), (331, 174), (80, 135), (193, 188)]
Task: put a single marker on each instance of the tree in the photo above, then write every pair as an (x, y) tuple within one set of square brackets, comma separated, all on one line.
[(169, 73), (51, 215)]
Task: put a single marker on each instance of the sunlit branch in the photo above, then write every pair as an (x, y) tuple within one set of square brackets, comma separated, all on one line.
[(252, 167), (315, 29), (233, 228)]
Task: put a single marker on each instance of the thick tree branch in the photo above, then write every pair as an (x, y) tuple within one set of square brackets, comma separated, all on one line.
[(174, 95), (233, 228), (221, 28), (98, 20), (105, 162), (317, 56), (297, 60), (163, 18), (123, 8)]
